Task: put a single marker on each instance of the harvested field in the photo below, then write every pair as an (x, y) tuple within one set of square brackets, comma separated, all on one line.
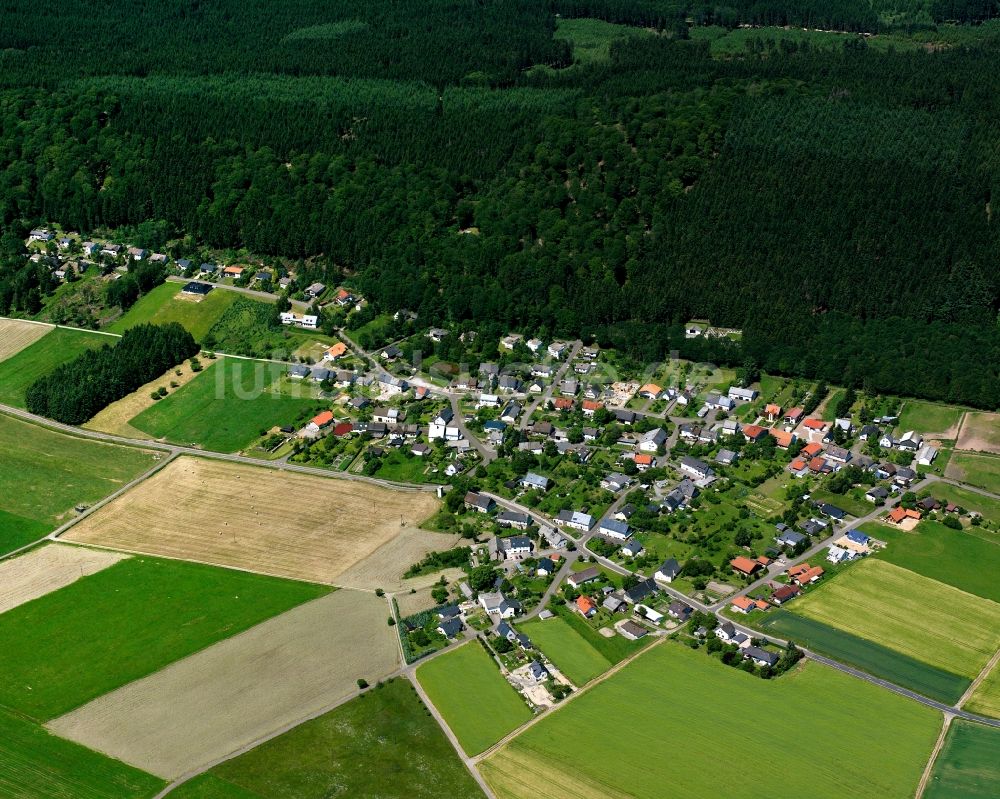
[(46, 569), (384, 568), (980, 432), (263, 520), (227, 696), (15, 335), (115, 418), (414, 603)]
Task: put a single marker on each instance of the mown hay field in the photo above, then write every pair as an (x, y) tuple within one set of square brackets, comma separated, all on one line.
[(125, 622), (902, 610), (477, 702), (225, 697), (45, 569), (264, 520), (15, 335), (166, 303), (681, 712)]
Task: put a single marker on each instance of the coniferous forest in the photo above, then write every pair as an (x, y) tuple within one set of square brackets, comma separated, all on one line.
[(464, 160)]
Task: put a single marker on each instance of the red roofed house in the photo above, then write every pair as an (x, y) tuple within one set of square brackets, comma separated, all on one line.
[(785, 593), (342, 429), (319, 421), (754, 432), (586, 606), (798, 467), (643, 461), (232, 271), (816, 424), (804, 574), (782, 439), (563, 404), (818, 465), (745, 566), (772, 412), (743, 604), (590, 406), (338, 350), (900, 514), (812, 450)]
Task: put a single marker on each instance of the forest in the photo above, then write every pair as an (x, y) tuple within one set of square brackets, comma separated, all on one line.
[(460, 160), (77, 390)]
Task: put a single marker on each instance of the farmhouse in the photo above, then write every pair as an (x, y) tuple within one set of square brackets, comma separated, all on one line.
[(612, 528), (479, 502), (585, 576)]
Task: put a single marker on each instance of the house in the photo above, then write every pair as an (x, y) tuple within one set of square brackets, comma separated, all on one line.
[(668, 570), (837, 554), (314, 290), (743, 604), (614, 603), (479, 502), (320, 421), (590, 407), (534, 344), (887, 441), (760, 656), (615, 482), (738, 394), (844, 424), (899, 514), (298, 371), (511, 340), (509, 383), (586, 606), (542, 429), (338, 350), (652, 440), (650, 391), (820, 466), (510, 412), (449, 628), (319, 374), (798, 467), (789, 538), (793, 416), (488, 401), (904, 476), (726, 632), (910, 442), (489, 370), (643, 461), (631, 549), (535, 481), (510, 518), (838, 454), (542, 370), (537, 672), (515, 547), (926, 455), (726, 457), (869, 431), (576, 579), (804, 574), (545, 567), (785, 593), (745, 566), (390, 353), (196, 289), (441, 426), (640, 591), (388, 415), (234, 272), (625, 416), (612, 528), (754, 432), (832, 511), (716, 400), (629, 629), (782, 438), (772, 412), (877, 495), (557, 348), (40, 234), (575, 519), (696, 468), (496, 604), (680, 610)]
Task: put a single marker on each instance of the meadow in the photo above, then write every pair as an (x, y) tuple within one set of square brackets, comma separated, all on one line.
[(967, 767), (668, 718), (59, 346), (933, 622), (866, 655), (34, 764), (982, 471), (123, 623), (467, 688), (226, 408), (970, 500), (930, 418), (960, 559), (44, 474), (567, 649), (320, 758), (166, 304)]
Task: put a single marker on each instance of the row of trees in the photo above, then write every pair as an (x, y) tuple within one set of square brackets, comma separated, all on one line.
[(76, 391)]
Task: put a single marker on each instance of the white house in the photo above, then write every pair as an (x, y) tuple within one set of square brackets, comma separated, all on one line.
[(496, 604), (652, 440), (926, 455), (488, 401), (612, 528), (575, 519), (668, 571), (442, 427), (696, 468), (911, 441), (739, 394)]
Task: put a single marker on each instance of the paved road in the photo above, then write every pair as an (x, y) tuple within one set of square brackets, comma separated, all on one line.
[(557, 378)]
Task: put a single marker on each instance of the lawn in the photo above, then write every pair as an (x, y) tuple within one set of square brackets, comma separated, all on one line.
[(968, 765), (163, 305), (866, 655), (982, 471), (929, 418), (933, 622), (63, 344), (853, 502), (226, 408), (467, 688), (954, 557), (404, 467), (986, 698), (664, 724), (34, 764), (388, 727), (567, 649), (127, 621), (44, 474)]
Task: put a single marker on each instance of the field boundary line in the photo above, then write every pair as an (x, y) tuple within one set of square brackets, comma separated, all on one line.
[(932, 759), (979, 678), (578, 692)]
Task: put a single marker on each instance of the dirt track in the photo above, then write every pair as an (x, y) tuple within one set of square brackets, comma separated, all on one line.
[(280, 523), (233, 693), (46, 569)]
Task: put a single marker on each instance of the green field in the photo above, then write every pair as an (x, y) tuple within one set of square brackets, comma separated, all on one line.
[(968, 765), (982, 471), (970, 500), (928, 417), (228, 406), (933, 622), (853, 502), (44, 474), (567, 649), (102, 631), (986, 698), (866, 655), (388, 728), (666, 723), (466, 687), (162, 305), (53, 349), (960, 559), (37, 765)]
